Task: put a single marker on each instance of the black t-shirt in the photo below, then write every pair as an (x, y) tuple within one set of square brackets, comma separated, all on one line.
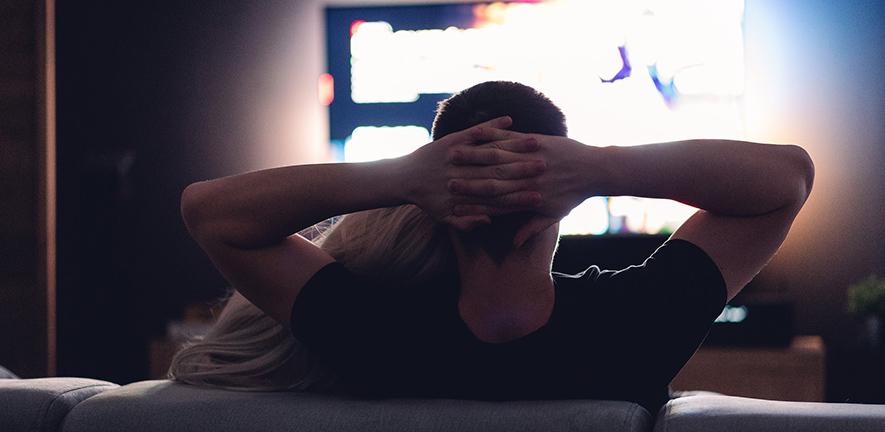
[(619, 335)]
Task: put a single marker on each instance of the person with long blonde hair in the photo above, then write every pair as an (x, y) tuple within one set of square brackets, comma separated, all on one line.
[(437, 280)]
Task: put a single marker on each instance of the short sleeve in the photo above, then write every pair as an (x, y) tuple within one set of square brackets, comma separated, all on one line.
[(660, 312), (679, 274), (343, 318), (317, 305), (371, 333)]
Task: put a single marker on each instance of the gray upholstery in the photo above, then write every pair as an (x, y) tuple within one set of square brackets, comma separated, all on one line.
[(167, 406), (6, 373), (719, 413), (80, 405), (40, 405)]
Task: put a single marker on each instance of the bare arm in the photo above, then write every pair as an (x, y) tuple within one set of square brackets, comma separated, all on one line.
[(245, 223), (728, 178), (748, 193)]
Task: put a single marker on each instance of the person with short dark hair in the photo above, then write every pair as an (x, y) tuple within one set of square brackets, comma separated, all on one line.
[(438, 281)]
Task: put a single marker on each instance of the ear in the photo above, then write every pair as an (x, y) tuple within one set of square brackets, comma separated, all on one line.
[(534, 226)]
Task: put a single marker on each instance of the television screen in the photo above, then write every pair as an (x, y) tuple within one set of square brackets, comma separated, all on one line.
[(624, 73)]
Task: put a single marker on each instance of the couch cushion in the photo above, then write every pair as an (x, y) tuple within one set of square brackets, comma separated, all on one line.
[(6, 373), (737, 414), (168, 406), (32, 405)]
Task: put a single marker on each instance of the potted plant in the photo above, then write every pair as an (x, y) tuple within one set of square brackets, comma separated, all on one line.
[(866, 299)]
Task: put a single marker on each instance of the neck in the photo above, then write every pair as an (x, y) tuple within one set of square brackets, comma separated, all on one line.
[(504, 295)]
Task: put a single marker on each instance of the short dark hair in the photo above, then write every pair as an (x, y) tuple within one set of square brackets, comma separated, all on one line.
[(531, 111)]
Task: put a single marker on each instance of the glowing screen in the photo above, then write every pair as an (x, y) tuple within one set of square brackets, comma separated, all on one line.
[(624, 73)]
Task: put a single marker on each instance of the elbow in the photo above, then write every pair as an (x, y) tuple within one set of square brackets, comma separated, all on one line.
[(804, 167), (807, 169), (193, 206)]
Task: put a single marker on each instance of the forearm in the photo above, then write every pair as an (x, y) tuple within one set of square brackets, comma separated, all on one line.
[(261, 208), (723, 177)]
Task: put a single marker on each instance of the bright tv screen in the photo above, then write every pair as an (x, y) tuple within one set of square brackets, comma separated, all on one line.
[(624, 73)]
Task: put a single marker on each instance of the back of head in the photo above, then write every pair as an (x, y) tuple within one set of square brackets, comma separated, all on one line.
[(404, 243), (531, 111), (248, 350)]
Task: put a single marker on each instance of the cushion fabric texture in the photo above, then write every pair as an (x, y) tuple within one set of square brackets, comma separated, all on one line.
[(720, 413), (41, 404), (6, 373), (169, 406)]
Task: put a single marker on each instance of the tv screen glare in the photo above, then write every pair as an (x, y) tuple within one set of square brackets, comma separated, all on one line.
[(624, 73)]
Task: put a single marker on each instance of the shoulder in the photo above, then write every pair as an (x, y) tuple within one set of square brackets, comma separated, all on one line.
[(336, 294), (677, 272), (590, 273), (676, 259), (676, 254), (684, 267), (331, 293)]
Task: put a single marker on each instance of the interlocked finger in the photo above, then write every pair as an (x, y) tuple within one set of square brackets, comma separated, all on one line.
[(480, 209), (488, 187), (483, 133), (492, 130), (486, 156), (504, 204), (502, 122), (510, 171), (468, 222), (520, 144), (495, 152)]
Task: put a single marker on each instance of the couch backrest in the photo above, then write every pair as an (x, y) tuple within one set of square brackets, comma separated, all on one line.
[(41, 404), (167, 406)]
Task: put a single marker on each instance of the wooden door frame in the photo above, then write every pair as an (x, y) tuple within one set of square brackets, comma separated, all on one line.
[(46, 173)]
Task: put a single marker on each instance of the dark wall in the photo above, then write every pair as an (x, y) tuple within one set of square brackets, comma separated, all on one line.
[(23, 304), (814, 73), (150, 99)]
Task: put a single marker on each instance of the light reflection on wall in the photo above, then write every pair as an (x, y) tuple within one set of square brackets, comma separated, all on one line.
[(624, 73), (368, 143)]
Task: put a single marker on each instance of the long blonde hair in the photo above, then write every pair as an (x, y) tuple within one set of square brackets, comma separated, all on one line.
[(248, 350)]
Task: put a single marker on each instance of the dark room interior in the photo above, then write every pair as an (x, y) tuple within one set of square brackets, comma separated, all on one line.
[(108, 110)]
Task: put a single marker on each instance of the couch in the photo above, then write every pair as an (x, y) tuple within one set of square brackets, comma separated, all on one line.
[(80, 405)]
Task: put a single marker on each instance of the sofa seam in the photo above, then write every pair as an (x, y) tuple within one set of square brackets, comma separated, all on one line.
[(630, 415), (665, 424), (47, 406)]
